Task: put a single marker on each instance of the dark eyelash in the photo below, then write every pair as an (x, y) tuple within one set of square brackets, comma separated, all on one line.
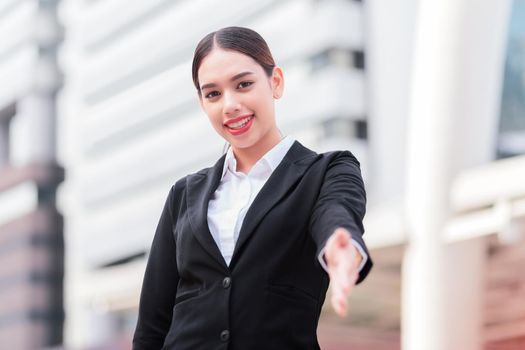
[(208, 94), (246, 82), (215, 93)]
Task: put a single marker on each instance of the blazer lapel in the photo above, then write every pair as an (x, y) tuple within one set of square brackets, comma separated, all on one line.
[(200, 187), (287, 173)]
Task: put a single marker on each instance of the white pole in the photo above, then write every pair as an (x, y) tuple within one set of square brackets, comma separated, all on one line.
[(458, 61)]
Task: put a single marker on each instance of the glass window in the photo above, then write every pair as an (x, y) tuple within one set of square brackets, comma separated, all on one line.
[(6, 115), (511, 138)]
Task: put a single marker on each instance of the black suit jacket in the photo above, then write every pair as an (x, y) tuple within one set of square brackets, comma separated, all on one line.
[(270, 296)]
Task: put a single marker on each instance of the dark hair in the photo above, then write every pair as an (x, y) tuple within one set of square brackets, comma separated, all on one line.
[(240, 39)]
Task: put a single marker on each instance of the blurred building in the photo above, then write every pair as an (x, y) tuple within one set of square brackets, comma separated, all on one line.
[(428, 95), (31, 236)]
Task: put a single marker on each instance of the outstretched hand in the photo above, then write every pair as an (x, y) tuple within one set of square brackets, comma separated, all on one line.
[(343, 261)]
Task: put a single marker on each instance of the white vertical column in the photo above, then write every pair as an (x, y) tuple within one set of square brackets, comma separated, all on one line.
[(458, 66), (33, 129), (389, 32), (464, 294), (33, 135)]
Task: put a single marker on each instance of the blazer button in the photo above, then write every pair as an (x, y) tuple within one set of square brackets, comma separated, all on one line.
[(226, 282), (225, 335)]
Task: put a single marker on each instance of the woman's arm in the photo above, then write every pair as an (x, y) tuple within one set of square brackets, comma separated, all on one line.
[(337, 219), (159, 286)]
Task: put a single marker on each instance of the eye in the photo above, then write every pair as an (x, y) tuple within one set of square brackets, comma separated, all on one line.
[(211, 94), (244, 84)]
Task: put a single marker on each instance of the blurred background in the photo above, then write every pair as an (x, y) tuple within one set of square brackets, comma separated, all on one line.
[(98, 117)]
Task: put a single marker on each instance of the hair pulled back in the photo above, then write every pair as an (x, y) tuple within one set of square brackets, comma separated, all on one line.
[(240, 39)]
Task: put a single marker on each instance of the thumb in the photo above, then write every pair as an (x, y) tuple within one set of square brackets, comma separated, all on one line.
[(342, 237)]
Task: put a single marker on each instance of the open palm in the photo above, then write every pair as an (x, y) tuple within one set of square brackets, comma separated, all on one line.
[(343, 261)]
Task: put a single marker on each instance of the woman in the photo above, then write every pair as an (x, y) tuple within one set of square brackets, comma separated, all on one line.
[(244, 250)]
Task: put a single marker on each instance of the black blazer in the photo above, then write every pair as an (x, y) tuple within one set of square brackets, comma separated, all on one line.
[(270, 296)]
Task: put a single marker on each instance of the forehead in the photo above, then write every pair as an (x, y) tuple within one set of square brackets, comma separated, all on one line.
[(222, 64)]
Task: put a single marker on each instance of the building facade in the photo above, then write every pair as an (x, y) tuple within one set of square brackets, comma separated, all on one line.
[(31, 234)]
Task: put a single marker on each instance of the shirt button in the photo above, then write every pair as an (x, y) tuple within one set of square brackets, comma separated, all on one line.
[(225, 335), (226, 282)]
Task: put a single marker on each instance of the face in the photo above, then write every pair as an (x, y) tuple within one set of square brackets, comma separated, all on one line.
[(238, 98)]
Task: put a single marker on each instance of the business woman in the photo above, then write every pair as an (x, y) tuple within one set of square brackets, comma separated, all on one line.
[(245, 249)]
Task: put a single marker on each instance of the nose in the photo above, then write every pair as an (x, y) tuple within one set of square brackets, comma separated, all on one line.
[(231, 104)]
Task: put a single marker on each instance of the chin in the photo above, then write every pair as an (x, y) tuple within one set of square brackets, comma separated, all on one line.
[(243, 144)]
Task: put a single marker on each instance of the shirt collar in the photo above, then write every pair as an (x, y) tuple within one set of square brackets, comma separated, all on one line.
[(271, 159)]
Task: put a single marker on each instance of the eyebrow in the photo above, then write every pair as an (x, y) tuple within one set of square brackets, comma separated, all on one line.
[(235, 77)]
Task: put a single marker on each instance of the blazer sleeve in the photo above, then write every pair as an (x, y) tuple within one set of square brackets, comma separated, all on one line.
[(159, 286), (341, 203)]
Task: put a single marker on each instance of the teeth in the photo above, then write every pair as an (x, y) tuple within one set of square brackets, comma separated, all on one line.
[(240, 123)]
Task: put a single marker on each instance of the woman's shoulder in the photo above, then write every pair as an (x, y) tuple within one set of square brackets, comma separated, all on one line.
[(340, 156)]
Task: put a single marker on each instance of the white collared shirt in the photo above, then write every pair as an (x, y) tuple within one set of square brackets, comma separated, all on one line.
[(229, 204)]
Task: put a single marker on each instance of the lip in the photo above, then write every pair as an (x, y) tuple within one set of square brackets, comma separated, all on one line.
[(242, 130), (236, 119)]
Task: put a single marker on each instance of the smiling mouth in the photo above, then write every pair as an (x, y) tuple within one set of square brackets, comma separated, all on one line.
[(240, 124)]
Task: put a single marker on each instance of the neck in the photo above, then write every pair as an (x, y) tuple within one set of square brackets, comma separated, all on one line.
[(247, 157)]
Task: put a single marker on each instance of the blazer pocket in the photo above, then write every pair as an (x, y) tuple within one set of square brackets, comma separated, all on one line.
[(293, 311), (292, 293), (188, 294)]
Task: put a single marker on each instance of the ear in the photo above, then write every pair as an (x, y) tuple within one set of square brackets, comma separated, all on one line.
[(277, 80)]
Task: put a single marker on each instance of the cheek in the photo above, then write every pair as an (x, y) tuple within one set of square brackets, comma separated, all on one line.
[(261, 101), (212, 113), (216, 122)]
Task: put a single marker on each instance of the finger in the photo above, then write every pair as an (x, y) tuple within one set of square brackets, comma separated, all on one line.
[(339, 297), (343, 307), (343, 281), (334, 283), (346, 288), (345, 274), (343, 285), (339, 304), (340, 278)]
